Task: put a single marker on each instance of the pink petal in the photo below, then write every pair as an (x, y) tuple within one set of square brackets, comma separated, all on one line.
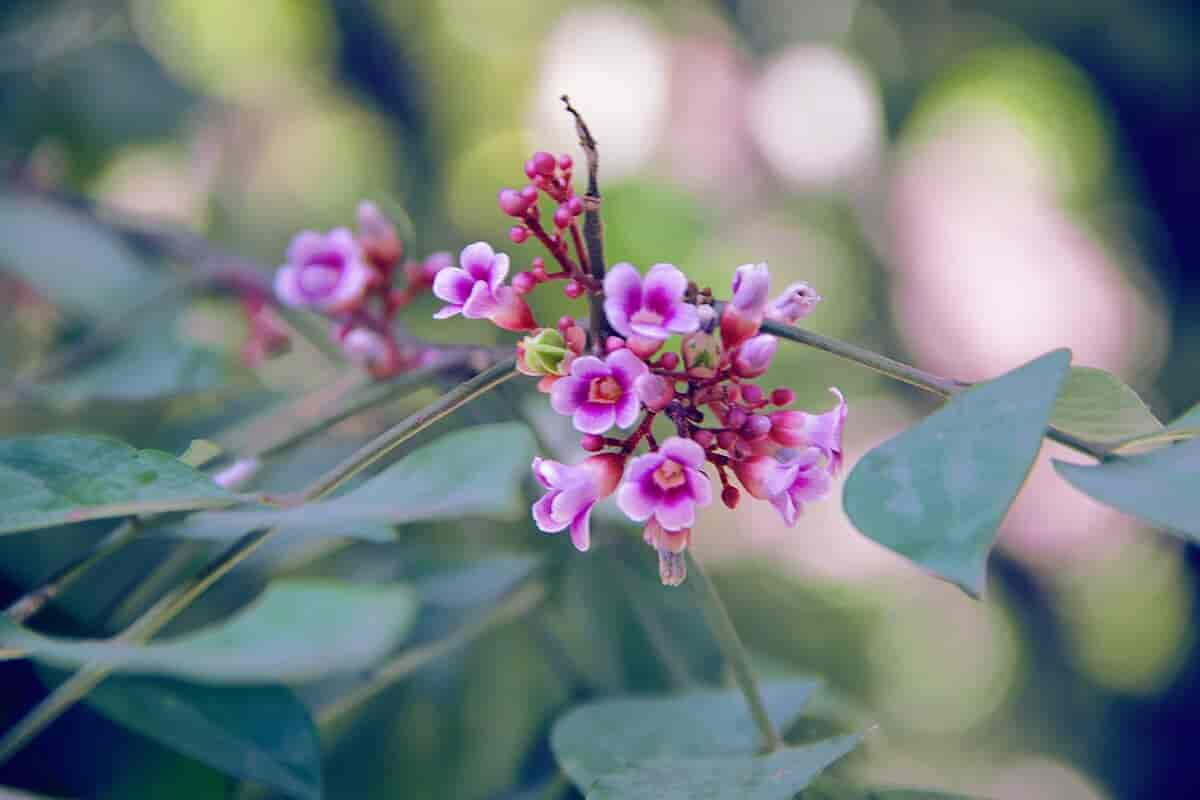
[(787, 508), (665, 280), (581, 535), (622, 296), (699, 486), (453, 285), (627, 410), (588, 367), (563, 397), (343, 241), (549, 473), (477, 259), (499, 271), (448, 311), (685, 451), (634, 502), (657, 332), (676, 511), (304, 246), (641, 466), (481, 303), (626, 367), (543, 517), (573, 500), (594, 417), (350, 288), (684, 319), (286, 289)]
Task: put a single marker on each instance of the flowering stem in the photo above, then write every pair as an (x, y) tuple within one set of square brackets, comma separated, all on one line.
[(943, 387), (732, 650), (159, 615)]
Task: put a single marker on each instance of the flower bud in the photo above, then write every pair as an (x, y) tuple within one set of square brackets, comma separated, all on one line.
[(794, 304), (364, 346), (607, 469), (512, 202), (756, 427), (654, 391), (823, 431), (543, 163), (701, 353), (751, 287), (542, 353), (754, 357), (730, 496), (377, 236)]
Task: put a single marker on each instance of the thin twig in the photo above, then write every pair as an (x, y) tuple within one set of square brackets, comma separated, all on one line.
[(593, 227), (733, 651)]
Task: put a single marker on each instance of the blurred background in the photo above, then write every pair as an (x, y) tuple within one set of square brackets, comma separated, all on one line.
[(968, 185)]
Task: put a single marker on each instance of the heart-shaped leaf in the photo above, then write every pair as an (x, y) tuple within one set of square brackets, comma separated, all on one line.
[(1159, 486), (295, 631), (775, 776), (1096, 405), (471, 472), (257, 733), (937, 492), (52, 480), (607, 736), (70, 260), (697, 744)]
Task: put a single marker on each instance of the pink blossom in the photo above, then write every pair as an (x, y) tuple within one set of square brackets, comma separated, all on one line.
[(652, 308), (572, 491), (470, 289), (804, 429), (323, 271), (794, 304), (788, 479), (743, 314), (599, 393), (667, 484), (476, 290)]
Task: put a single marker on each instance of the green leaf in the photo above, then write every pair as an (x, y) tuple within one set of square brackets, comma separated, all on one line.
[(68, 259), (260, 733), (295, 631), (611, 736), (1096, 405), (52, 480), (937, 492), (472, 472), (1190, 421), (776, 776), (1159, 486), (200, 452)]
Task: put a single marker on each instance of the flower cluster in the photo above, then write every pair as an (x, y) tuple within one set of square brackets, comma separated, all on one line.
[(352, 280), (704, 393)]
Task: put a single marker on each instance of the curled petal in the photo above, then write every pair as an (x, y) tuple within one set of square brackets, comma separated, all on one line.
[(581, 535), (685, 451), (285, 287), (635, 502), (543, 516), (564, 395), (453, 285), (622, 296), (481, 303), (594, 418)]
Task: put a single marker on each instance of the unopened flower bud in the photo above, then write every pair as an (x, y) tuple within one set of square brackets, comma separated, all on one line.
[(592, 443), (726, 440), (794, 304), (736, 418), (565, 162), (562, 216), (783, 396), (378, 237), (542, 353), (518, 234), (654, 391), (668, 360), (730, 496), (613, 343), (704, 438), (575, 206), (573, 289), (529, 194), (543, 163), (523, 283), (512, 203), (753, 358), (364, 346), (751, 394), (756, 427)]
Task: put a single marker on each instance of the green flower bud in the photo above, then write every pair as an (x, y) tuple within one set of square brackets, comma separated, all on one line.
[(542, 352)]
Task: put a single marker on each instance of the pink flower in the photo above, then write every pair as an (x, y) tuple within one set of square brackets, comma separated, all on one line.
[(600, 393), (753, 358), (476, 290), (794, 304), (653, 308), (323, 271), (667, 484), (572, 491), (788, 479), (823, 431), (743, 314), (471, 290)]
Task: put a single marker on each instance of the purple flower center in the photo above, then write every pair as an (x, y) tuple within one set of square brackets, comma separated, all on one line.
[(669, 475), (604, 390)]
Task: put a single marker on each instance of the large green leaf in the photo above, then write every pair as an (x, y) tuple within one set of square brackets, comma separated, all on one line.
[(937, 492), (697, 744), (608, 735), (257, 733), (70, 260), (295, 631), (1189, 421), (1159, 487), (52, 480), (776, 776), (472, 472), (1096, 405)]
